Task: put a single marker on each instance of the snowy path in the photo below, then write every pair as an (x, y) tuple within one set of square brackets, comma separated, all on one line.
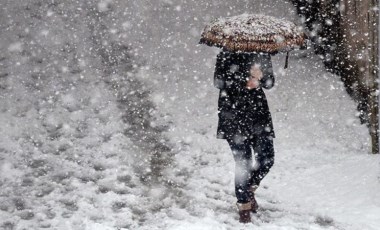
[(80, 139), (323, 177), (319, 180)]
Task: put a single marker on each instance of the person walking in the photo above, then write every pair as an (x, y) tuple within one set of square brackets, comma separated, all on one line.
[(245, 120)]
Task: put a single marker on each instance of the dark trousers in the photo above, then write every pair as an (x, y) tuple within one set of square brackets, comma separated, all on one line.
[(248, 174)]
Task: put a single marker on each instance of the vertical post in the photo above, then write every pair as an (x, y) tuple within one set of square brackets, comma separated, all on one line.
[(373, 50)]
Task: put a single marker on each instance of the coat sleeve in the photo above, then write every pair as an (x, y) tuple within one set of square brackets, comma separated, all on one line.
[(222, 75), (267, 81), (219, 81)]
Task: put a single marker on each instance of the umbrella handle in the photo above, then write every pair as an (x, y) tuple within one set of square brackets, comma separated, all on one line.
[(286, 60)]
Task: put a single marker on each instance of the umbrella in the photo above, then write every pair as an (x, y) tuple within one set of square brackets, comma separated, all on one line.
[(253, 33)]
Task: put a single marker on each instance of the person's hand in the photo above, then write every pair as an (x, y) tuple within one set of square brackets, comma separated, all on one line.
[(252, 83), (256, 72), (256, 75)]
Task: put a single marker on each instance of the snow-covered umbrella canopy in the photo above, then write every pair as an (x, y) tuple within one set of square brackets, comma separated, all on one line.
[(253, 33)]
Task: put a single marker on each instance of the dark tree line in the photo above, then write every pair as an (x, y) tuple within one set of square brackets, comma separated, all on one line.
[(345, 34)]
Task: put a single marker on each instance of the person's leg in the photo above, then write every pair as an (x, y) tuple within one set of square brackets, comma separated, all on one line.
[(243, 166), (264, 155), (242, 154)]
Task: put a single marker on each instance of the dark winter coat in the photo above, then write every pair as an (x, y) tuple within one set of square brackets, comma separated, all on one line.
[(242, 112)]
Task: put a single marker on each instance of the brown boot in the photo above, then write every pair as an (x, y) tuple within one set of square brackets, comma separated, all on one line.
[(254, 205), (244, 212)]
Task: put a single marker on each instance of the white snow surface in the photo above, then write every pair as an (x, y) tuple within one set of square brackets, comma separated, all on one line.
[(74, 155)]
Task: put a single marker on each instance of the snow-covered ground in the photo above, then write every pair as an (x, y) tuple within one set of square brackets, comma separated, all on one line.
[(82, 134)]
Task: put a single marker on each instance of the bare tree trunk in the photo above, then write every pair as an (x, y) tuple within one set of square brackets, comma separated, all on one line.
[(373, 50), (360, 34)]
